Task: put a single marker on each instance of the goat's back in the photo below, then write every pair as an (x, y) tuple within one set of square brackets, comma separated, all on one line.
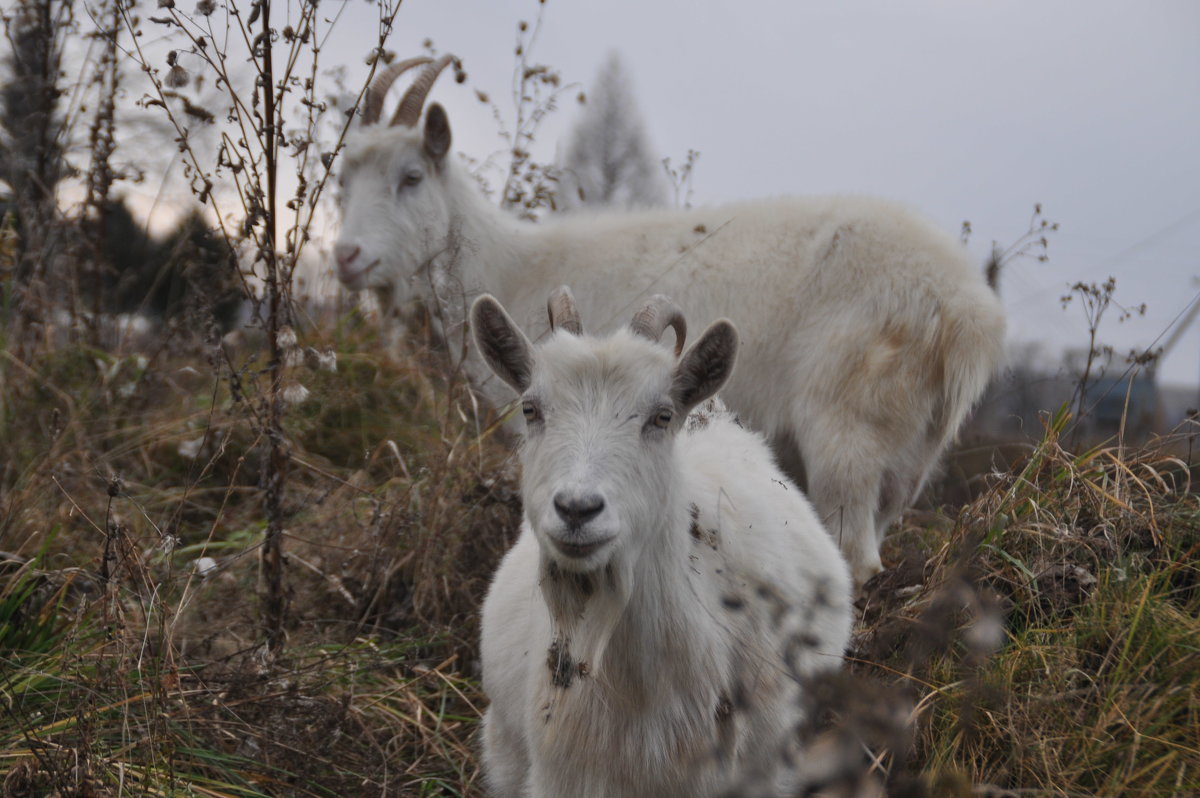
[(837, 299)]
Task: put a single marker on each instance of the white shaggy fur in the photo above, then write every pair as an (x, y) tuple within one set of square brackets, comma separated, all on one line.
[(868, 334), (670, 661)]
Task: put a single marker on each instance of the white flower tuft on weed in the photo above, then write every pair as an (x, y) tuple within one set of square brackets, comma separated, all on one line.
[(286, 337), (191, 449), (986, 634), (295, 394), (204, 566)]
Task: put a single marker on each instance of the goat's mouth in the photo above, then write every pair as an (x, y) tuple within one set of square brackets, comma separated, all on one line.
[(581, 550), (355, 280)]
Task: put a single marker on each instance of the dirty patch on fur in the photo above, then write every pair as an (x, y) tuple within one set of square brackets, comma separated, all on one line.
[(706, 412), (558, 661)]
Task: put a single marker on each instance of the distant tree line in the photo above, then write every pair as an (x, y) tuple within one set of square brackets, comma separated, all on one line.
[(190, 272), (100, 259)]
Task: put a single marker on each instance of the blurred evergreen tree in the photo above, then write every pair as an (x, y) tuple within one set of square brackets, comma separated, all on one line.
[(31, 130), (188, 274), (609, 162)]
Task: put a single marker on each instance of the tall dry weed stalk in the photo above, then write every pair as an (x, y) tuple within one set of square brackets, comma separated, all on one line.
[(1033, 243), (1095, 300), (263, 135), (530, 186), (680, 178), (32, 149), (102, 143)]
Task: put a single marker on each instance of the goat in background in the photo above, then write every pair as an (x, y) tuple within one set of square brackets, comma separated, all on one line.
[(867, 332)]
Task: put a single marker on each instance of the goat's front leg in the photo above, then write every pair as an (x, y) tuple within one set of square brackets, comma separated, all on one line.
[(505, 760)]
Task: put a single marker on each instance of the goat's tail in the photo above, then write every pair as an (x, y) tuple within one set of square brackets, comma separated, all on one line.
[(972, 352)]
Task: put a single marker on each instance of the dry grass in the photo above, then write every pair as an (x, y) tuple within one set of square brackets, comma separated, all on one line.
[(1049, 633), (135, 665), (1042, 638)]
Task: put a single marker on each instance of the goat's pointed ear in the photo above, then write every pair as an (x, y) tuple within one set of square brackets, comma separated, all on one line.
[(501, 342), (706, 366), (437, 132)]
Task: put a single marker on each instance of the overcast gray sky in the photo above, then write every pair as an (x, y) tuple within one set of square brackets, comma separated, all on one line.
[(965, 110)]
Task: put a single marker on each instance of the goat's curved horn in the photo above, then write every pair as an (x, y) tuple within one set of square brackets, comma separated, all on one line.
[(409, 110), (373, 101), (659, 313), (562, 311)]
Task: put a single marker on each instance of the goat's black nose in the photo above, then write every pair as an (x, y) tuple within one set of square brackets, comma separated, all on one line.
[(578, 509)]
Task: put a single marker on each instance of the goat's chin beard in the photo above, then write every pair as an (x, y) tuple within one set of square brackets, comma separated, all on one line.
[(586, 606)]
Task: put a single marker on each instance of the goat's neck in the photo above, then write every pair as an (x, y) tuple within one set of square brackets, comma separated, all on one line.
[(486, 245)]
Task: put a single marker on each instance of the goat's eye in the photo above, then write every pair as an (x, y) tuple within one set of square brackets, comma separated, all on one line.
[(532, 412), (411, 178), (662, 418)]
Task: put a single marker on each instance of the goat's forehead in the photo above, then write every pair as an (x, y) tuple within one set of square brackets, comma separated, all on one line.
[(622, 366), (379, 145)]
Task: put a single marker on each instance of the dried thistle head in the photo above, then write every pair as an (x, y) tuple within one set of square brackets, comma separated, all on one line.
[(177, 77), (320, 361)]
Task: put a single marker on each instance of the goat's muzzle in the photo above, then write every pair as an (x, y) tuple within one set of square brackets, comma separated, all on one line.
[(576, 510)]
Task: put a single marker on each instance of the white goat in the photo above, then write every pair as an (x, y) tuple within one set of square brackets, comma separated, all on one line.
[(650, 632), (868, 333)]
